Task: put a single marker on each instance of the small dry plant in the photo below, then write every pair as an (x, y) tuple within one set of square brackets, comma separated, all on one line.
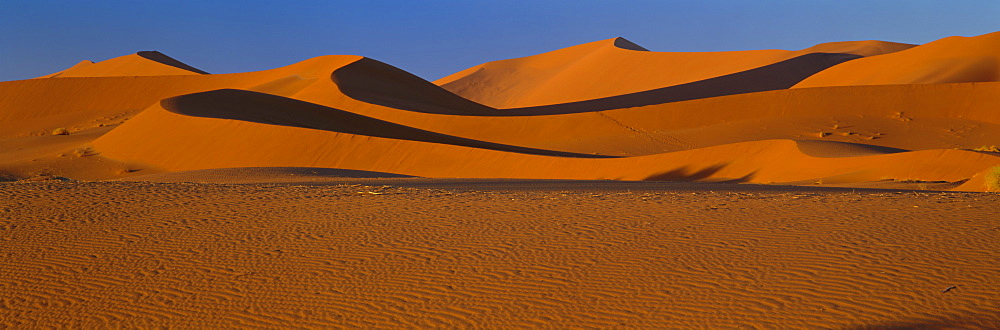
[(988, 148), (60, 131), (992, 179)]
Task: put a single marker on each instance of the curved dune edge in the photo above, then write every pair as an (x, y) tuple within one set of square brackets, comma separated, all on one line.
[(258, 175), (84, 102), (986, 180), (167, 60), (194, 143), (644, 127), (831, 149), (77, 66), (934, 116), (948, 60), (775, 76), (269, 109), (374, 82), (874, 111), (144, 63), (602, 69)]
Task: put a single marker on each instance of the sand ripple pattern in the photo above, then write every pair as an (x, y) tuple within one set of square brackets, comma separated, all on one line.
[(214, 255)]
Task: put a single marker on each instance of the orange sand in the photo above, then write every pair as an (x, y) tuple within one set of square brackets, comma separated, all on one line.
[(949, 60), (88, 255), (865, 114), (614, 67)]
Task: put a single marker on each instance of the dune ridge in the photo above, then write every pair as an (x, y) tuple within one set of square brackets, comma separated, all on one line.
[(602, 69), (612, 127), (144, 63), (241, 143), (949, 60)]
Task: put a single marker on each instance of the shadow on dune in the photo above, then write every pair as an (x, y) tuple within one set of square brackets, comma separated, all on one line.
[(164, 59), (264, 175), (834, 149), (685, 174), (276, 110), (378, 83), (627, 44), (781, 75), (374, 82)]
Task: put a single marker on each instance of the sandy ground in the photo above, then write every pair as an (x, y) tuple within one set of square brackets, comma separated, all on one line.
[(838, 186), (514, 253)]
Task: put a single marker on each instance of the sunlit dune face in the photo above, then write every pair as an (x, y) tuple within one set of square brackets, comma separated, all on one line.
[(845, 185)]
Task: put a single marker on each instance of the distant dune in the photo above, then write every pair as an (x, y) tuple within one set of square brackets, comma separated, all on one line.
[(606, 69), (605, 110), (949, 60), (145, 63)]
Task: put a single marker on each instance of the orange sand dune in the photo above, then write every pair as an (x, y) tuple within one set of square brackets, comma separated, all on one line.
[(903, 116), (615, 67), (949, 60), (87, 107), (857, 115), (241, 139), (36, 106), (78, 66), (866, 114), (396, 110), (289, 235), (375, 82), (273, 110), (145, 63)]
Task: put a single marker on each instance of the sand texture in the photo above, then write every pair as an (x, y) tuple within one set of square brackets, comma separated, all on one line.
[(210, 255), (846, 185)]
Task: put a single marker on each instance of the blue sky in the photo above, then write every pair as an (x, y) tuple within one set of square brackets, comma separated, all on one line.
[(435, 38)]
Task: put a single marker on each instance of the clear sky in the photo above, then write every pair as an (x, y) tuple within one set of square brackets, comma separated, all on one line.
[(435, 38)]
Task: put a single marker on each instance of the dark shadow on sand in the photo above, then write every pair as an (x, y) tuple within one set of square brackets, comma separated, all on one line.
[(781, 75), (164, 59), (378, 83), (276, 110)]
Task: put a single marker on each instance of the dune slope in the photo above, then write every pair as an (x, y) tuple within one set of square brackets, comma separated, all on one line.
[(354, 113), (606, 69), (219, 141), (949, 60), (263, 108), (144, 63), (908, 117), (36, 106)]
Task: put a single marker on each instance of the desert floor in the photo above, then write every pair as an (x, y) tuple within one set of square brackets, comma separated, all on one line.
[(313, 252)]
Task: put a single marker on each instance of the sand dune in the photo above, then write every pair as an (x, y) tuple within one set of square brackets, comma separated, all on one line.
[(36, 106), (263, 108), (604, 69), (78, 66), (601, 185), (932, 117), (217, 141), (378, 83), (949, 60), (401, 102), (144, 63)]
